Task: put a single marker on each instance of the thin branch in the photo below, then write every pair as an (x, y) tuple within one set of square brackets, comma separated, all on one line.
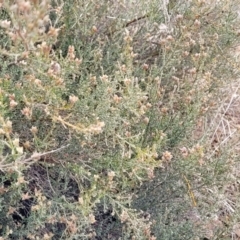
[(136, 19), (39, 155), (20, 161)]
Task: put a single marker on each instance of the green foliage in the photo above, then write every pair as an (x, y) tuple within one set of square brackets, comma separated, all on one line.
[(95, 100)]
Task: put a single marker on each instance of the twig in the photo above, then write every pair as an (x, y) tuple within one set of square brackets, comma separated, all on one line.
[(38, 155), (190, 192), (20, 161), (136, 19)]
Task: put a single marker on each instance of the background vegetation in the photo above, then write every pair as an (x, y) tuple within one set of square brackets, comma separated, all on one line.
[(119, 119)]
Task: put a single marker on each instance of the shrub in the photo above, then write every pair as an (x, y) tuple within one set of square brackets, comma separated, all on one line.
[(95, 98)]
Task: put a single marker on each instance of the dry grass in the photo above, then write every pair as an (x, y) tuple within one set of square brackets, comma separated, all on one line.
[(219, 132)]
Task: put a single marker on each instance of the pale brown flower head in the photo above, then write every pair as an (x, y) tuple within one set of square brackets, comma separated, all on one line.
[(167, 156), (25, 196), (192, 42), (20, 180), (184, 151), (123, 68), (96, 128), (91, 218), (170, 38), (192, 71), (145, 66), (34, 130), (104, 78), (73, 99), (78, 61), (53, 32), (197, 23), (55, 68), (116, 98), (124, 216), (45, 48), (185, 53), (128, 134), (26, 112), (150, 173), (13, 104), (38, 82), (80, 200), (24, 6), (127, 81), (7, 127), (71, 53), (128, 39), (94, 29), (27, 145), (148, 105), (5, 24), (163, 42), (146, 120), (179, 17), (111, 175)]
